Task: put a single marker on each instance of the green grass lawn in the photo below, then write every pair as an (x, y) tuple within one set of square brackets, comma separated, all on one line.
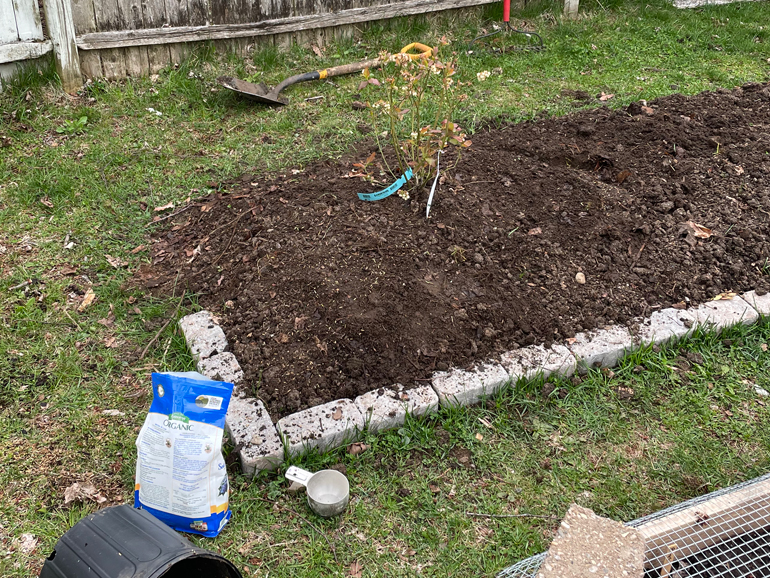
[(73, 192)]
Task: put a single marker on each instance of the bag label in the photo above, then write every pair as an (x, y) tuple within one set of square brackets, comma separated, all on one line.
[(181, 476)]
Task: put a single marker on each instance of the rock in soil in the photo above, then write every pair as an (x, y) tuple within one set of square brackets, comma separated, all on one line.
[(333, 297)]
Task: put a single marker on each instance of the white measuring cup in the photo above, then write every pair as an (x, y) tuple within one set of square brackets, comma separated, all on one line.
[(328, 491)]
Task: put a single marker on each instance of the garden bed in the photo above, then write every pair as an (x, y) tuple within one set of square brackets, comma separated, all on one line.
[(324, 296)]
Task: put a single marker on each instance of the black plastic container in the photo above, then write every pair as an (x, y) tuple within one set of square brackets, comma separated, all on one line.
[(123, 542)]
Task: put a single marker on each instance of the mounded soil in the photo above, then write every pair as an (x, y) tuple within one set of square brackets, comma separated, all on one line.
[(324, 296)]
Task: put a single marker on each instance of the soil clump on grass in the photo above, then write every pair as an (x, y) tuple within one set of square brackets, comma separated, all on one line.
[(542, 230)]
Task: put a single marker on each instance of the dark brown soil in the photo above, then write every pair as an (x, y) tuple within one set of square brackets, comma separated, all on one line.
[(324, 296)]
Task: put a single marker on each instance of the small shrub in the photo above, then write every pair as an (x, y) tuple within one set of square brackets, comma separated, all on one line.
[(412, 106)]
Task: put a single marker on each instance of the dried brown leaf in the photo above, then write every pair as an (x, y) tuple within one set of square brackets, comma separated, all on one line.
[(355, 569), (116, 262), (535, 231), (164, 207), (699, 231), (357, 448), (87, 300)]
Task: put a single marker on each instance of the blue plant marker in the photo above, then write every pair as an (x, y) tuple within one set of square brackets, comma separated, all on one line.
[(389, 190)]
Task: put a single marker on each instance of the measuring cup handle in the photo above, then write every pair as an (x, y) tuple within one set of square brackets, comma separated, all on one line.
[(298, 475)]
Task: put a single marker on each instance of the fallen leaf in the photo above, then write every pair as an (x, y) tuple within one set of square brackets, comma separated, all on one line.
[(763, 347), (47, 202), (486, 423), (164, 207), (726, 296), (321, 345), (337, 414), (697, 230), (116, 262), (535, 231), (357, 448), (219, 281), (623, 175), (434, 488), (648, 111), (27, 544), (108, 321), (67, 270), (317, 51), (479, 437), (113, 413), (355, 569), (135, 250), (109, 342), (78, 492), (605, 97), (88, 298)]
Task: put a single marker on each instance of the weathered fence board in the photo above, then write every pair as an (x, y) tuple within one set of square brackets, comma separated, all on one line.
[(289, 25), (8, 32), (19, 51), (85, 21), (118, 38), (28, 23), (58, 17)]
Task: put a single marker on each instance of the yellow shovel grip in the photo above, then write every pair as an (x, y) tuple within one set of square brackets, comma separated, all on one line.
[(425, 51)]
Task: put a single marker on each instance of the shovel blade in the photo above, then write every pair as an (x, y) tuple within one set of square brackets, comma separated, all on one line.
[(258, 92)]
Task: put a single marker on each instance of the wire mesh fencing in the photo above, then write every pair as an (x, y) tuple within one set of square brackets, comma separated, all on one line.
[(722, 534)]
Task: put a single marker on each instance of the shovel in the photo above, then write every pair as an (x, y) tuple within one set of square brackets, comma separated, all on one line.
[(261, 93)]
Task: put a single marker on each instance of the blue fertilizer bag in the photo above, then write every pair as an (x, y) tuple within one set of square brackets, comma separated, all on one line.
[(181, 477)]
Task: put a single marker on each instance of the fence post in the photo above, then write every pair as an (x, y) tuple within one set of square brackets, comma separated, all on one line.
[(61, 29), (571, 8)]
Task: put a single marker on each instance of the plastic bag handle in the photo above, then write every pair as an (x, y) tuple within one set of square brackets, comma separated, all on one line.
[(298, 475)]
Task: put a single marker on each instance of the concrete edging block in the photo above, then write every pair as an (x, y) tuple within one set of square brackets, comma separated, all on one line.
[(262, 443), (759, 302), (725, 313), (322, 427), (386, 408), (460, 387), (203, 334), (665, 325), (602, 348), (249, 426), (537, 360), (221, 367)]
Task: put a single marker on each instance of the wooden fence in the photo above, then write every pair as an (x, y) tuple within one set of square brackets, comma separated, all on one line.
[(118, 38)]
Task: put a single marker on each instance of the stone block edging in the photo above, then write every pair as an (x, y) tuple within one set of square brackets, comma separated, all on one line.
[(263, 445)]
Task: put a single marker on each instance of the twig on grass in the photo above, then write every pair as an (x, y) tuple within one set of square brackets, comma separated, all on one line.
[(71, 319), (20, 285), (174, 214), (308, 522), (173, 315), (479, 515)]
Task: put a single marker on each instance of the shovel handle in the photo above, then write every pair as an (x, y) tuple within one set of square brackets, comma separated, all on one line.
[(347, 68), (425, 51), (298, 475)]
